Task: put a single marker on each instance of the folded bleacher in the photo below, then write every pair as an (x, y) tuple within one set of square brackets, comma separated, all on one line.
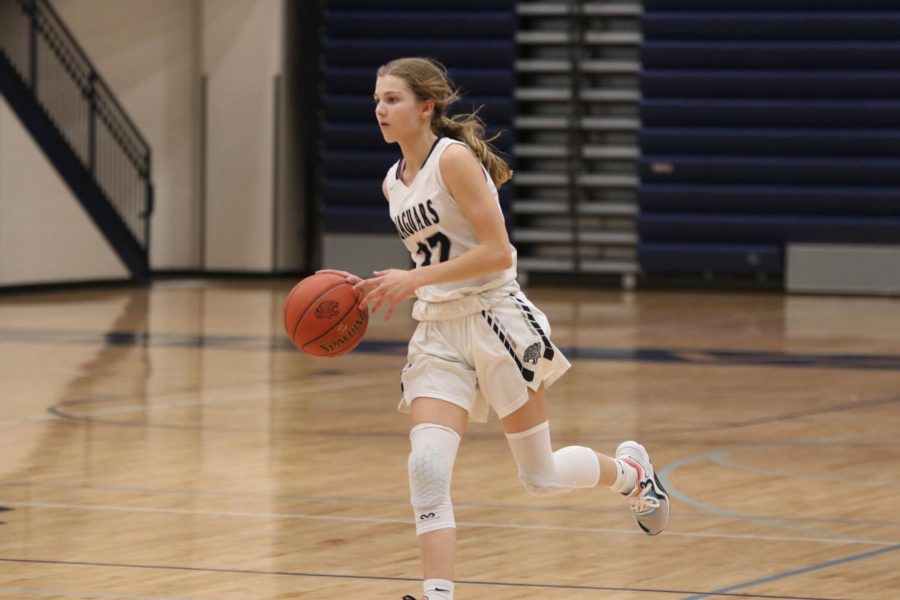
[(766, 123), (473, 38)]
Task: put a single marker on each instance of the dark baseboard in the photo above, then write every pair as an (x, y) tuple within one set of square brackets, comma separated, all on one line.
[(156, 276), (191, 274), (698, 283), (60, 286), (589, 280), (678, 281)]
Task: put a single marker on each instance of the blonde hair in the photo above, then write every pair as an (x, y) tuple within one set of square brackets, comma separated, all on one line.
[(428, 80)]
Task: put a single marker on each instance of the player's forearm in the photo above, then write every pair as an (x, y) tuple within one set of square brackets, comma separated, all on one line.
[(480, 260)]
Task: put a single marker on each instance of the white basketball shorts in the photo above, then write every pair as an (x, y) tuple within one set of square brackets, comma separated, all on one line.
[(484, 360)]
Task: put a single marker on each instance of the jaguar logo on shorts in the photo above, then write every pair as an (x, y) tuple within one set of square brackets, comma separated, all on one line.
[(532, 353), (327, 309)]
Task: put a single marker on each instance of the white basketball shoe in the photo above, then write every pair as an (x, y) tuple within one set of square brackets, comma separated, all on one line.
[(649, 500)]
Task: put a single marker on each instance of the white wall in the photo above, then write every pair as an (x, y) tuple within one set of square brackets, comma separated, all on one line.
[(154, 55), (45, 235), (241, 59), (147, 51)]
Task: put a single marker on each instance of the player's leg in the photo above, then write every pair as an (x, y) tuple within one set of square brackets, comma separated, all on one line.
[(437, 427), (544, 471)]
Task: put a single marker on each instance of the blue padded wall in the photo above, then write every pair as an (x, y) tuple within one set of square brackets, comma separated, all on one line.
[(475, 39), (766, 122)]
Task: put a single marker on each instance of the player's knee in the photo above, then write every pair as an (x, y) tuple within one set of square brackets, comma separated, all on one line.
[(572, 467), (547, 483), (429, 477), (430, 470), (538, 485)]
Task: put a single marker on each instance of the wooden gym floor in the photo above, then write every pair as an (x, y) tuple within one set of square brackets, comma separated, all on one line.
[(168, 443)]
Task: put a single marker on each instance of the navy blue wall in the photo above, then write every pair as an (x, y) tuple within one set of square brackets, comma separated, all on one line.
[(475, 39), (766, 122)]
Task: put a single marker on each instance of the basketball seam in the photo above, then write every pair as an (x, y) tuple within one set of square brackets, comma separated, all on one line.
[(344, 350), (311, 304), (341, 320)]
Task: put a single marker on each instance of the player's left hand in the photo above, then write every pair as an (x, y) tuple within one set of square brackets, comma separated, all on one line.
[(388, 288)]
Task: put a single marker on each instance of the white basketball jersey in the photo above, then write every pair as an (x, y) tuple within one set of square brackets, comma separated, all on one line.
[(434, 229)]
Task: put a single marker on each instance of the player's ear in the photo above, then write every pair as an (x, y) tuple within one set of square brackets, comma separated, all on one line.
[(427, 109)]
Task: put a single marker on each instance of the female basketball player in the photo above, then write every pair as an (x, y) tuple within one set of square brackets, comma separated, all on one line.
[(480, 342)]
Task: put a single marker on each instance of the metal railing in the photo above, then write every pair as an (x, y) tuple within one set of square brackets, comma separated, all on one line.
[(82, 107)]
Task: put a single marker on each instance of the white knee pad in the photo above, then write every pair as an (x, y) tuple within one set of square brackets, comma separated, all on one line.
[(545, 472), (430, 470)]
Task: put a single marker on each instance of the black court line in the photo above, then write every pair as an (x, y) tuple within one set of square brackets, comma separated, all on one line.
[(687, 356), (660, 436), (247, 385), (60, 410), (404, 501), (546, 586)]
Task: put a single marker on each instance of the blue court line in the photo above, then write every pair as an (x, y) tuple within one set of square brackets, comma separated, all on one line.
[(785, 575), (688, 356), (715, 456), (665, 475), (731, 464)]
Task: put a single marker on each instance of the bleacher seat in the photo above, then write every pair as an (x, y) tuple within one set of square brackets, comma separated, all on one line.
[(785, 113), (764, 123), (769, 199), (745, 259), (473, 38), (770, 141)]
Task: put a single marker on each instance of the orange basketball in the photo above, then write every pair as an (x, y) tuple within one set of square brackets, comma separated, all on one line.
[(323, 315)]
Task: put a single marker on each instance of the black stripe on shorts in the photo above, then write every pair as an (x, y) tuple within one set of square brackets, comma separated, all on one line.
[(548, 347), (527, 374)]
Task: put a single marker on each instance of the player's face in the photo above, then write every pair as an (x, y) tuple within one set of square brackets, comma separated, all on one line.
[(398, 112)]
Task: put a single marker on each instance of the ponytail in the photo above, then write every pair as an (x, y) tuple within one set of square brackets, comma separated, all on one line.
[(469, 129)]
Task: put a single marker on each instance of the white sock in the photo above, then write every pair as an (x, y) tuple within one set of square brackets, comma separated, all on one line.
[(626, 477), (438, 589)]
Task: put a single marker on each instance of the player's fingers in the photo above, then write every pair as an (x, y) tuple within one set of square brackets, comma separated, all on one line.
[(379, 302), (364, 286), (349, 277), (375, 294)]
